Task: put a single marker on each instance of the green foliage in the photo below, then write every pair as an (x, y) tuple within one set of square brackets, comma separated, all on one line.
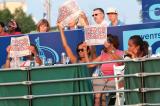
[(5, 15), (24, 21)]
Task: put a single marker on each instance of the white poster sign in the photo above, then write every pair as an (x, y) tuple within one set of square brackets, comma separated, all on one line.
[(68, 11), (95, 35), (19, 46)]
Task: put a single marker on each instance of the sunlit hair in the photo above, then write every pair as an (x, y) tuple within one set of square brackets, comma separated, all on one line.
[(43, 22)]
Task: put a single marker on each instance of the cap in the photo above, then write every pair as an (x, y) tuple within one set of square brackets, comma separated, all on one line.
[(112, 10)]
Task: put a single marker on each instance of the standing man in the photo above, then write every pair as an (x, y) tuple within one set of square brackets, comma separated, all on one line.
[(99, 17), (113, 17)]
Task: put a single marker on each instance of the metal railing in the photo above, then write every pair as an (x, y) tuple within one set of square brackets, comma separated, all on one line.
[(29, 82)]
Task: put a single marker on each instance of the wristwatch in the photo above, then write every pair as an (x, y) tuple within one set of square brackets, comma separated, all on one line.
[(113, 51), (9, 58)]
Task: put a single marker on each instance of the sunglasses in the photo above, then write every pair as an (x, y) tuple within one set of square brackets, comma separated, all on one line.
[(80, 50), (95, 14)]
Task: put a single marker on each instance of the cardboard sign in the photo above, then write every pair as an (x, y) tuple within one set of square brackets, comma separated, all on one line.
[(19, 46), (69, 11), (95, 35)]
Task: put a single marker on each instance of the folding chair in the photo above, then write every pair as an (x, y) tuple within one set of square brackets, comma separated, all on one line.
[(119, 70)]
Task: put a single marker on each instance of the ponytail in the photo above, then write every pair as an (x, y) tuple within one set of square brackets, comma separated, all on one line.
[(145, 48), (137, 40)]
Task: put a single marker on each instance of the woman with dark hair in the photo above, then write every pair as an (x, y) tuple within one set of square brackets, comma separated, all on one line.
[(110, 52), (81, 48), (13, 28), (137, 48), (43, 26)]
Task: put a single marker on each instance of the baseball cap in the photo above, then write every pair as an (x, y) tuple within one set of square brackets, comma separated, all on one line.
[(112, 10)]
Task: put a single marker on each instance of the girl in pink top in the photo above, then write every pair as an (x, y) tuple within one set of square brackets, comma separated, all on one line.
[(107, 69), (110, 52)]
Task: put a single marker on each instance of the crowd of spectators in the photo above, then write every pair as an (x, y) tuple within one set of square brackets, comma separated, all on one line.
[(137, 48)]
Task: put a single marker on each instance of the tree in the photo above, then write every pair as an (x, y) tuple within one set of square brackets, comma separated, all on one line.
[(5, 15), (24, 21)]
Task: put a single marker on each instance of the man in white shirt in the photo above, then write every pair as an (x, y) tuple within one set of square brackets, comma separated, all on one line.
[(99, 17)]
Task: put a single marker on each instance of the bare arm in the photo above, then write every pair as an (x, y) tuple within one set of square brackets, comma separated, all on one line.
[(37, 59), (8, 60), (98, 59), (7, 64), (66, 46)]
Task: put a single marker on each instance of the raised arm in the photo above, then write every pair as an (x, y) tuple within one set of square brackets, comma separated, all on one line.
[(65, 45)]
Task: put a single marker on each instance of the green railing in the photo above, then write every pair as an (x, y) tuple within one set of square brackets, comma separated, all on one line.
[(70, 85)]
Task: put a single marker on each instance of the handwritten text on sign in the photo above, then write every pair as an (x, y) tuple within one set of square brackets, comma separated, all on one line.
[(19, 46), (95, 35), (68, 11)]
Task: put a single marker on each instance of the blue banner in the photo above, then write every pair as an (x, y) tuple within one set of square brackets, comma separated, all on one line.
[(151, 10), (49, 45)]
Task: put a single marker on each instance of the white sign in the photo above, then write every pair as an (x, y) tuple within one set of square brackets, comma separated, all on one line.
[(95, 35), (68, 11), (19, 46)]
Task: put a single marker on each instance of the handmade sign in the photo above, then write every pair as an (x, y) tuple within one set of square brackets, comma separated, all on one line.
[(68, 12), (19, 46), (95, 35)]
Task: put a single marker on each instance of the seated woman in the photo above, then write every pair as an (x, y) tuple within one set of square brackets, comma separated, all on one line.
[(137, 48), (81, 48), (10, 62), (110, 52)]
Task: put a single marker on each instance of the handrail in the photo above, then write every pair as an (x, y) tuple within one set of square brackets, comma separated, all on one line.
[(28, 83), (76, 93), (81, 64), (78, 79)]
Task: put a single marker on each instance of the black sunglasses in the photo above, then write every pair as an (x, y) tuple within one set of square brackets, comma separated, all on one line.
[(94, 15), (80, 50)]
